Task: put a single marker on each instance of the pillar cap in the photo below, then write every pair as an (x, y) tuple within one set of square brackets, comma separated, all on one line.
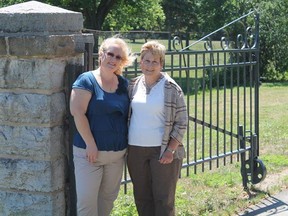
[(34, 16)]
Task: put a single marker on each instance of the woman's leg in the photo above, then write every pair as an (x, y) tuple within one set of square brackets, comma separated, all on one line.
[(87, 178), (139, 167), (164, 178), (113, 163)]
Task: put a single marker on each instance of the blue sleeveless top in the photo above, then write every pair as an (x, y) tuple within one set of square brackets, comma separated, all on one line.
[(106, 112)]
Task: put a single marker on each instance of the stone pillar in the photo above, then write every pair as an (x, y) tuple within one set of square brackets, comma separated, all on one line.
[(39, 44)]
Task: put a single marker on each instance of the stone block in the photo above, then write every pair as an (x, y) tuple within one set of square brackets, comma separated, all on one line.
[(39, 143), (49, 46), (45, 74), (32, 175), (33, 109), (32, 204)]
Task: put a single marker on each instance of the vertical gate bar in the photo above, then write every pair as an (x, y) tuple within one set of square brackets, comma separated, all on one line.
[(125, 73), (188, 110), (217, 112), (136, 67), (180, 67), (244, 97), (196, 111), (86, 55), (231, 107), (203, 107), (238, 98), (89, 57), (242, 144), (251, 92), (210, 108), (224, 107), (172, 65), (257, 83), (256, 92), (253, 156)]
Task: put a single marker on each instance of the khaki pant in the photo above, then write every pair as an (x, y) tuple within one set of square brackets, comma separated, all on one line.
[(154, 184), (97, 184)]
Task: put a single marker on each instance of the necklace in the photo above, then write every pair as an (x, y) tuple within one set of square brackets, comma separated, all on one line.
[(108, 85), (149, 87)]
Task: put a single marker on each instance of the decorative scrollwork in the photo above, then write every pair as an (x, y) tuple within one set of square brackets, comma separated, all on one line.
[(208, 44), (246, 41), (256, 30), (177, 42), (240, 42), (250, 37), (224, 43)]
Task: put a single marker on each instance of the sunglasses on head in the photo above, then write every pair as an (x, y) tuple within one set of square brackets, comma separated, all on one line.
[(112, 55)]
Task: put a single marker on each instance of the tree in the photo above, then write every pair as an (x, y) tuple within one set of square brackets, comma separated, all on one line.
[(273, 39), (94, 11), (136, 15), (215, 14), (273, 35), (180, 15), (5, 3)]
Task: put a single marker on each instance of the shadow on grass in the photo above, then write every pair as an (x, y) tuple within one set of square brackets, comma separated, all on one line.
[(275, 84), (268, 206)]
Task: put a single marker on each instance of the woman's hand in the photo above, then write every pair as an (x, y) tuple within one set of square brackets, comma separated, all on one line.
[(91, 153), (166, 158)]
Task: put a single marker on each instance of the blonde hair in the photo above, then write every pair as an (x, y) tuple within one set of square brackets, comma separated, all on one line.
[(156, 48), (127, 56)]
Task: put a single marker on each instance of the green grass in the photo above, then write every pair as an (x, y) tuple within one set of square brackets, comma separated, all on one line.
[(219, 191), (136, 46)]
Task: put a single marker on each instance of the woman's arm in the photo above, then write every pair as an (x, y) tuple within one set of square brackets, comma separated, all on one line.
[(79, 101), (179, 126)]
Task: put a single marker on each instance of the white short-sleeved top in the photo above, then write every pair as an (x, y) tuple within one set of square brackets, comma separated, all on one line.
[(147, 121)]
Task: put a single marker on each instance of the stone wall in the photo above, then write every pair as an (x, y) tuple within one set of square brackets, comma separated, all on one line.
[(39, 46)]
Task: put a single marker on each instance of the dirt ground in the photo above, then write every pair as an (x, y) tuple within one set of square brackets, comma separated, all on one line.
[(272, 180)]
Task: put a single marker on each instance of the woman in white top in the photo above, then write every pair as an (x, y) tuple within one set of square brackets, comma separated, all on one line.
[(158, 121)]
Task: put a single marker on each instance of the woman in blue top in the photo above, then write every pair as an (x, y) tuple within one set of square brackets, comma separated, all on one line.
[(99, 104)]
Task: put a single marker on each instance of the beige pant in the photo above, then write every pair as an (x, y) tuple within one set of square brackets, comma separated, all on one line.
[(97, 184)]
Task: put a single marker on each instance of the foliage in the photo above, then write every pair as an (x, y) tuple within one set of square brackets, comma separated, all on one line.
[(135, 15), (273, 39), (5, 3), (180, 15), (94, 11), (213, 15)]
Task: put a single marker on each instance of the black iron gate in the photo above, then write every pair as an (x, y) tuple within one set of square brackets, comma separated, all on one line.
[(221, 84)]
